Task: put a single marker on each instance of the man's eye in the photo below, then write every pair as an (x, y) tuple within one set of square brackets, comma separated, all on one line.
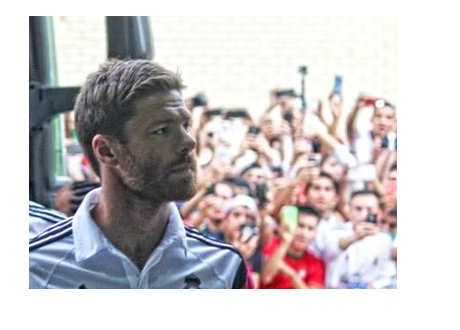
[(160, 131)]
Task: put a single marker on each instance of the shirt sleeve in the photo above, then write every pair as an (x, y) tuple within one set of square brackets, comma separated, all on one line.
[(332, 241)]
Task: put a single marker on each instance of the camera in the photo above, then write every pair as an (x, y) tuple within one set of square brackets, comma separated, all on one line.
[(248, 231), (371, 218), (200, 100), (303, 69)]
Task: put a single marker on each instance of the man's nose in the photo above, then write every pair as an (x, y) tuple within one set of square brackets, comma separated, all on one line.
[(187, 143)]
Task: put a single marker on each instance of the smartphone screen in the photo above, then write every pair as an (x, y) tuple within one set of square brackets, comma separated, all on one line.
[(338, 85), (290, 215)]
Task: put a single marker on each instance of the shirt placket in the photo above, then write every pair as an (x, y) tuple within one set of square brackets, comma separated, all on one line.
[(131, 271), (154, 260), (143, 280)]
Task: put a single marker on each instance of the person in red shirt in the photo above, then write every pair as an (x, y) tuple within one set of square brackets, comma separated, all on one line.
[(287, 263)]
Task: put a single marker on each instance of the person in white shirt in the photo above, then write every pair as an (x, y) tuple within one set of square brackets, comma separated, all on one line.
[(368, 142), (359, 250), (323, 194), (133, 125)]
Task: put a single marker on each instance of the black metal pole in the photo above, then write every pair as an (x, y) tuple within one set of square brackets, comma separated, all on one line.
[(303, 72)]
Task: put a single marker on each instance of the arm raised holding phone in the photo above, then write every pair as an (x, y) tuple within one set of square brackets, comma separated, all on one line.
[(288, 264)]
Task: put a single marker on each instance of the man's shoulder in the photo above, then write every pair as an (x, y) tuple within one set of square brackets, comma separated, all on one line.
[(47, 250), (54, 234), (384, 238), (199, 240), (41, 217), (225, 259)]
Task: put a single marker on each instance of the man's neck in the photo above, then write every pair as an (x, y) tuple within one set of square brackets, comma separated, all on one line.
[(295, 254), (136, 227)]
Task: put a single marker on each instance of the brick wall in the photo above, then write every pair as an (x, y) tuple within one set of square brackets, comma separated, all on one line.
[(237, 60)]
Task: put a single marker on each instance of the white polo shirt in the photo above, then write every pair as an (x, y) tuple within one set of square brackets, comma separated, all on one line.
[(41, 217), (318, 246), (367, 261), (74, 253)]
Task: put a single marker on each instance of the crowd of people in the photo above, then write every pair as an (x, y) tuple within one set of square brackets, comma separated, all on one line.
[(306, 206), (344, 189)]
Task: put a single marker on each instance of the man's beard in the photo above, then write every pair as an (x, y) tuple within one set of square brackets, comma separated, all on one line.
[(148, 184)]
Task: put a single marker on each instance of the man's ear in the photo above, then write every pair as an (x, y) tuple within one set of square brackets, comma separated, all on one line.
[(104, 149)]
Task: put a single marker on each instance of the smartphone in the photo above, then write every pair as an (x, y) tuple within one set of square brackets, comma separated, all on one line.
[(277, 170), (261, 190), (200, 100), (288, 117), (286, 92), (338, 85), (314, 160), (371, 218), (384, 142), (290, 216), (254, 130), (236, 114), (210, 188), (213, 112), (369, 101), (248, 231)]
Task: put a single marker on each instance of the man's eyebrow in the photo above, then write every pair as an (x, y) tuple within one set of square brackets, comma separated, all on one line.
[(169, 120), (162, 121)]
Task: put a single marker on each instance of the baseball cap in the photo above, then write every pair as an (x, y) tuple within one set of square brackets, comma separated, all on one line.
[(242, 200)]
